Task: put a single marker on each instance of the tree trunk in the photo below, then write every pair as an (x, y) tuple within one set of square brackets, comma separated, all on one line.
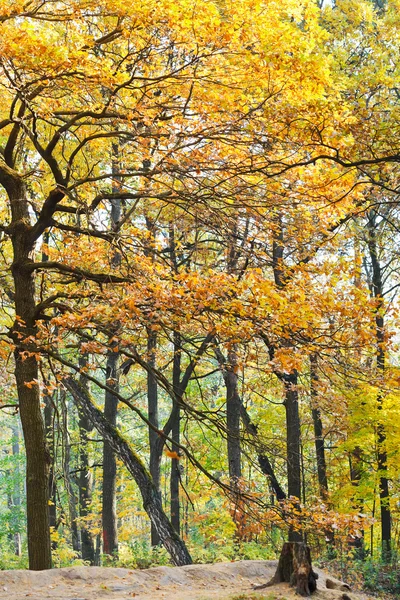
[(152, 404), (377, 287), (295, 567), (230, 375), (233, 406), (176, 434), (109, 503), (356, 471), (234, 411), (291, 402), (175, 478), (318, 431), (27, 374), (293, 445), (151, 500), (49, 425), (109, 513), (84, 478), (71, 495)]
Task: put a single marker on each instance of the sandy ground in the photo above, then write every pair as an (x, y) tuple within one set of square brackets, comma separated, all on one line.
[(233, 581)]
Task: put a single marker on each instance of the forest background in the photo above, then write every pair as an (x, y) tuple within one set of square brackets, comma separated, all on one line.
[(199, 241)]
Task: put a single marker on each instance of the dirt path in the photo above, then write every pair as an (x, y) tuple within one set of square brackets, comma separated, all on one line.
[(220, 581)]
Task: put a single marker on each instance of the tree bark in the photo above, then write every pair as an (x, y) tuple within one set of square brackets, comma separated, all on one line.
[(27, 373), (152, 404), (85, 483), (377, 288), (109, 502), (176, 434), (234, 412), (49, 426), (151, 500), (233, 406), (295, 567), (109, 512), (71, 495), (229, 367), (293, 445), (318, 430), (293, 458)]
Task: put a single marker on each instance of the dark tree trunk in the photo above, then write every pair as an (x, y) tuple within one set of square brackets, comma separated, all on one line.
[(85, 483), (293, 445), (234, 412), (291, 402), (233, 409), (318, 431), (319, 441), (71, 495), (295, 567), (152, 404), (109, 513), (151, 500), (230, 374), (377, 287), (176, 435), (229, 368), (175, 478), (27, 374), (109, 508), (49, 426)]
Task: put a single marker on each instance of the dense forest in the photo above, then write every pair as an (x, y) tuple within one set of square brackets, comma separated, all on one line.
[(199, 311)]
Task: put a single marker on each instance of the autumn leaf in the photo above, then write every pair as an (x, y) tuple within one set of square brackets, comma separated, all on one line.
[(171, 454)]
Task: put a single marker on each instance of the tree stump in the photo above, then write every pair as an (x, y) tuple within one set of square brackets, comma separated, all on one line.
[(295, 567)]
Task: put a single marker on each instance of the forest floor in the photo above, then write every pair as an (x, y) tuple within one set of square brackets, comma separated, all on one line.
[(221, 581)]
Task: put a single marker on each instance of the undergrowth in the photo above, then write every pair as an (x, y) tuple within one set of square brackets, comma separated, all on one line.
[(368, 574)]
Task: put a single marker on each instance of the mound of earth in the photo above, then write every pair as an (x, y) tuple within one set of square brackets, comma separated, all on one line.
[(224, 581)]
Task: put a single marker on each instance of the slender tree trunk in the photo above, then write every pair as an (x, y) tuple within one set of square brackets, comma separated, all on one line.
[(230, 374), (71, 495), (176, 434), (291, 402), (151, 500), (377, 286), (109, 514), (27, 374), (233, 410), (234, 406), (155, 445), (84, 478), (49, 425), (152, 403), (319, 441), (318, 430), (109, 508)]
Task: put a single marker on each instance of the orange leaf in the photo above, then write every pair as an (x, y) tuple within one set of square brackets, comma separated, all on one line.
[(171, 454)]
